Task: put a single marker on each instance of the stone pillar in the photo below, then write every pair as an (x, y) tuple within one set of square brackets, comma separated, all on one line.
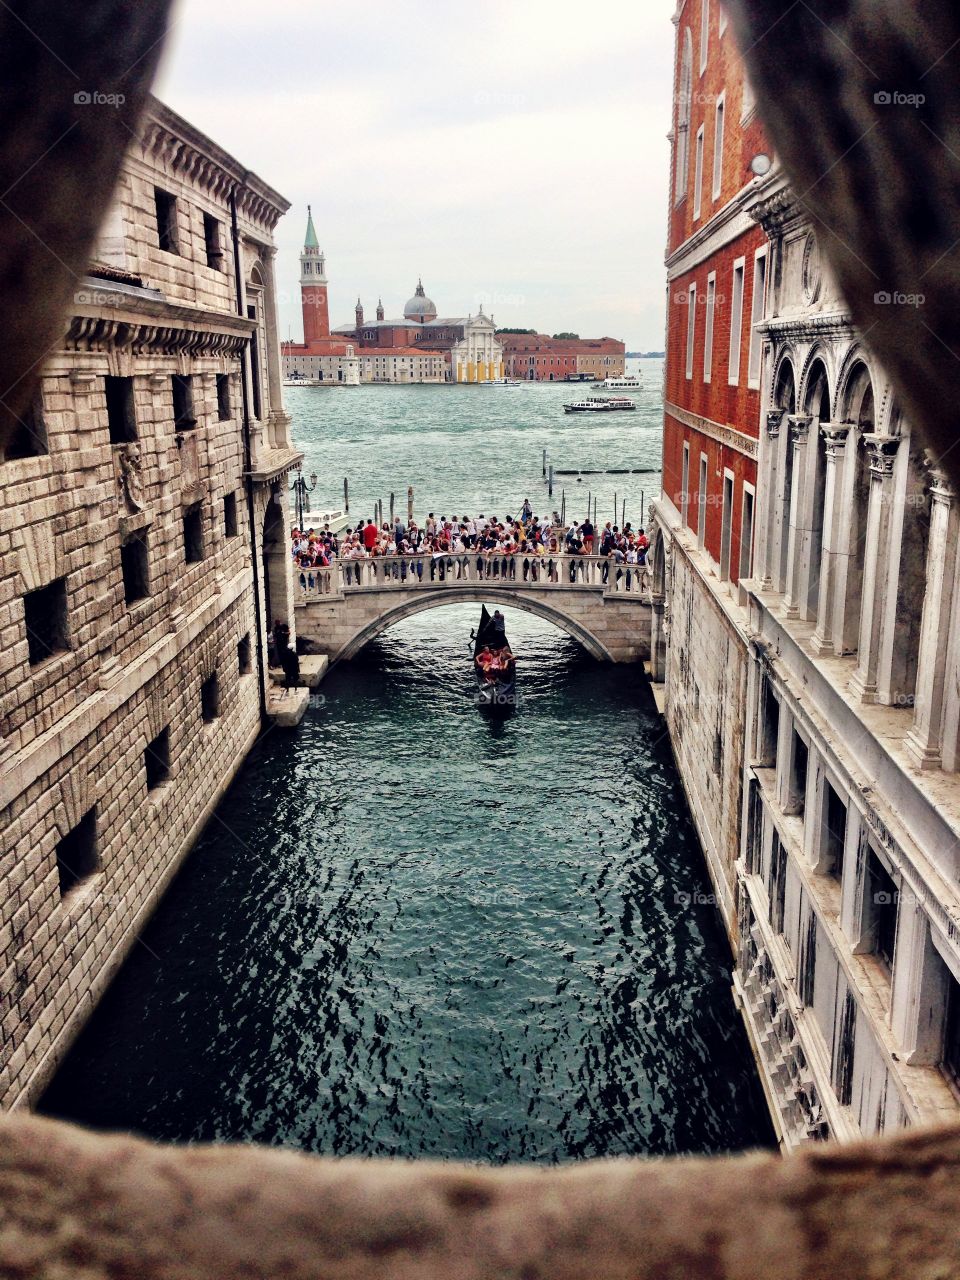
[(919, 987), (799, 439), (876, 569), (768, 501), (835, 440), (924, 740)]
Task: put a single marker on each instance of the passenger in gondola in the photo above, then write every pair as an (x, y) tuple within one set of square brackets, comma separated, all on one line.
[(486, 662)]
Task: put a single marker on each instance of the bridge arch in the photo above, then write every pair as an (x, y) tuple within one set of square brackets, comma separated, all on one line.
[(489, 596)]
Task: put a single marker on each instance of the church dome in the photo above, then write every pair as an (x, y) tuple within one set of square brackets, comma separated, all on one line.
[(420, 306)]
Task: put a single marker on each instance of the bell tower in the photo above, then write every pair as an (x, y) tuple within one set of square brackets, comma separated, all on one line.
[(358, 312), (313, 287)]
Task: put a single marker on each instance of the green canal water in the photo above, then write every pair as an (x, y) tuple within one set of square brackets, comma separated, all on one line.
[(410, 930)]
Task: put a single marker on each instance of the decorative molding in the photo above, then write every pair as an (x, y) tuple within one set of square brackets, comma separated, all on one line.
[(727, 224), (730, 436), (103, 333), (799, 425), (835, 438), (882, 452), (806, 327)]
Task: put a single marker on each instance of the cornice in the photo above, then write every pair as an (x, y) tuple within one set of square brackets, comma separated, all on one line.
[(730, 436), (151, 326)]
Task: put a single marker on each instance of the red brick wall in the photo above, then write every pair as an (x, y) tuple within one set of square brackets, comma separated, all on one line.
[(316, 316)]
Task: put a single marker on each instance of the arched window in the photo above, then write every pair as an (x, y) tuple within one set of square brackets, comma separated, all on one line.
[(684, 100)]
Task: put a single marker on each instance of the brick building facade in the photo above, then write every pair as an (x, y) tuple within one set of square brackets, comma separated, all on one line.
[(536, 357), (142, 555)]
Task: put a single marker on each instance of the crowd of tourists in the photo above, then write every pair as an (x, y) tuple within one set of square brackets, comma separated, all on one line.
[(529, 546)]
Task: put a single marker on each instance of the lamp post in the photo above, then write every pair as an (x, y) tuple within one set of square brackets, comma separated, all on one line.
[(302, 490)]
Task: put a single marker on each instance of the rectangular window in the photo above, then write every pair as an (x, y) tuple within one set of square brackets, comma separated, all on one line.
[(26, 432), (183, 416), (121, 417), (156, 760), (193, 534), (834, 831), (704, 34), (698, 175), (134, 562), (254, 365), (745, 568), (230, 515), (691, 326), (224, 407), (769, 726), (718, 148), (702, 502), (777, 886), (797, 795), (951, 1037), (749, 98), (685, 486), (708, 327), (758, 313), (736, 323), (882, 908), (211, 241), (210, 698), (726, 526), (45, 616), (168, 231), (244, 655), (77, 855)]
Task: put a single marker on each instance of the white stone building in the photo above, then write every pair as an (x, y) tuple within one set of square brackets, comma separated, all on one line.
[(844, 893), (143, 550)]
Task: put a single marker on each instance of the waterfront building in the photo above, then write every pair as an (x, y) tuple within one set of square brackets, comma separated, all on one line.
[(320, 357), (143, 555), (806, 609), (536, 357), (467, 346)]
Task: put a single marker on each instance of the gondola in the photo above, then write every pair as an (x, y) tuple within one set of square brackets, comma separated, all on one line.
[(498, 695)]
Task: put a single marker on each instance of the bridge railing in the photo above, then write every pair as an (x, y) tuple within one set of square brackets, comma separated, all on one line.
[(512, 572)]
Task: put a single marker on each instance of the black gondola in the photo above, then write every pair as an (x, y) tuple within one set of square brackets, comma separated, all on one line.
[(499, 694)]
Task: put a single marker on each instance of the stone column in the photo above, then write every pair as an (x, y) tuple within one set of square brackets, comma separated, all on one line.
[(882, 451), (924, 740), (768, 500), (835, 441), (799, 439)]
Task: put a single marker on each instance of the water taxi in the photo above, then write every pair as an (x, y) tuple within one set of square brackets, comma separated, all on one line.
[(600, 404), (627, 382)]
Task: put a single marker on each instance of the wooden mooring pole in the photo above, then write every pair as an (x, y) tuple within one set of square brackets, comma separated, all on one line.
[(346, 496), (550, 481), (410, 504), (544, 464), (392, 507)]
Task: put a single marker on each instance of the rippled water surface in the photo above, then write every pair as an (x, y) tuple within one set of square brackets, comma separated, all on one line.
[(410, 930)]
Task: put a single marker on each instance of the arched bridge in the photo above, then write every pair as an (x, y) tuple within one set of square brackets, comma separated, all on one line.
[(604, 605)]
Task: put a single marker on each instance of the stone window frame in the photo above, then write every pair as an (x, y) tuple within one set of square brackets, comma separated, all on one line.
[(710, 308), (755, 350), (140, 538), (685, 485), (691, 329), (698, 174), (60, 630), (702, 482), (735, 353), (719, 126), (167, 211), (747, 535), (77, 857), (157, 762), (728, 485)]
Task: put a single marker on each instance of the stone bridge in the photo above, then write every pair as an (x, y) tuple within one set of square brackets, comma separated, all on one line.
[(605, 606)]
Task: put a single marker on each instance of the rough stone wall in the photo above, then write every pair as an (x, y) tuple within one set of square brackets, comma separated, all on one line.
[(76, 725), (707, 666)]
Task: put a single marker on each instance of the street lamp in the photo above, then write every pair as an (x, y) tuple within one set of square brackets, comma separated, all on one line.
[(302, 490)]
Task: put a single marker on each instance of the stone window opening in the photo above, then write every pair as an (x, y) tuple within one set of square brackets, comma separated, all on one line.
[(881, 909), (726, 526), (834, 831), (702, 503), (156, 760), (45, 617), (210, 698), (224, 405), (184, 418), (950, 1054), (796, 791), (168, 232), (193, 533), (769, 726), (244, 655), (121, 413), (27, 434), (211, 242), (745, 565), (78, 855), (230, 526), (135, 566)]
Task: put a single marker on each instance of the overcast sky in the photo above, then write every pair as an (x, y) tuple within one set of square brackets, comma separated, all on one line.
[(513, 153)]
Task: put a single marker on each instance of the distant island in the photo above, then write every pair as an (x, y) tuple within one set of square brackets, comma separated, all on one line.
[(646, 355)]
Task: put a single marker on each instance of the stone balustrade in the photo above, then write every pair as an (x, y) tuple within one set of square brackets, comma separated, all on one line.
[(507, 572)]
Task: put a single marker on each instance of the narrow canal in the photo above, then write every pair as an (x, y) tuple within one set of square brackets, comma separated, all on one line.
[(411, 931)]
